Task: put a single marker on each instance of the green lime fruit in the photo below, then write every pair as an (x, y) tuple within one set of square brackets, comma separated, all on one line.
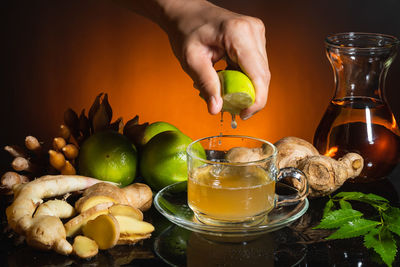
[(156, 128), (108, 156), (164, 160), (237, 91)]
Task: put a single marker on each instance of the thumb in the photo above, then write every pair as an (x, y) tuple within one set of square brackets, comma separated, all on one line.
[(205, 78)]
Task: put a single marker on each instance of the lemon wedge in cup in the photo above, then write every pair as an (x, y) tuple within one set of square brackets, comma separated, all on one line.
[(237, 91)]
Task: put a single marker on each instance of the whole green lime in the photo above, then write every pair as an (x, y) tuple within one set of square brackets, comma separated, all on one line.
[(108, 156), (164, 161), (156, 128)]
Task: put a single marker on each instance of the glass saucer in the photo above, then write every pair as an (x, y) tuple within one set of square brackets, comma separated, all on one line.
[(172, 203)]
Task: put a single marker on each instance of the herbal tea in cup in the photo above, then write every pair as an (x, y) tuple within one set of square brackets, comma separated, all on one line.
[(236, 183)]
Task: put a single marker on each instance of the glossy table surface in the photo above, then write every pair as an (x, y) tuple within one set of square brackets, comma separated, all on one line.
[(295, 245)]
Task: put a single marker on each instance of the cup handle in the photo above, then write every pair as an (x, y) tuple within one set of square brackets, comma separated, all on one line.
[(301, 186)]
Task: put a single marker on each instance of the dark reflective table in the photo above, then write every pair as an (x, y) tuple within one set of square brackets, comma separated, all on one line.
[(170, 245)]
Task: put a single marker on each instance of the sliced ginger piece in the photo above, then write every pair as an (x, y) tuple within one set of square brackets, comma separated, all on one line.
[(104, 230), (84, 247), (59, 208), (126, 210), (131, 226), (87, 202), (74, 225), (132, 239)]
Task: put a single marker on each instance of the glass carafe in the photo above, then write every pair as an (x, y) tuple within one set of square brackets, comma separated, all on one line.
[(358, 119)]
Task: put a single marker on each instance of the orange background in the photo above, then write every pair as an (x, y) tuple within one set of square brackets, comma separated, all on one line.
[(61, 54)]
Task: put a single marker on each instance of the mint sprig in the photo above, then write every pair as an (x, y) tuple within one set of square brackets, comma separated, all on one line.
[(379, 235)]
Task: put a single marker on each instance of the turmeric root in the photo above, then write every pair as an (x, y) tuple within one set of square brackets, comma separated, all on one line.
[(57, 159), (64, 132), (68, 169), (44, 232), (70, 151), (59, 143)]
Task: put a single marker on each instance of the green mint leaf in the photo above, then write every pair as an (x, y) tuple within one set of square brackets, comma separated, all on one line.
[(354, 228), (366, 198), (328, 207), (381, 240), (349, 195), (391, 218), (371, 239), (345, 204), (374, 197), (338, 218)]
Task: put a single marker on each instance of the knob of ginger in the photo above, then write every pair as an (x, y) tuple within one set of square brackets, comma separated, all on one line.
[(324, 174)]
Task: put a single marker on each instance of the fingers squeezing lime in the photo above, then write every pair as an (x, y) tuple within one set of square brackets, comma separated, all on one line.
[(237, 91)]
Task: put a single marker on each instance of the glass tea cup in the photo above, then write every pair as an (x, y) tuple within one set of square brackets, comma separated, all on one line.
[(235, 184)]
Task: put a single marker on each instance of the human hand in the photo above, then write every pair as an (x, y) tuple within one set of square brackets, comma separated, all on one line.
[(201, 34)]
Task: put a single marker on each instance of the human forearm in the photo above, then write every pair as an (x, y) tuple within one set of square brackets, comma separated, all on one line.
[(165, 13), (201, 34)]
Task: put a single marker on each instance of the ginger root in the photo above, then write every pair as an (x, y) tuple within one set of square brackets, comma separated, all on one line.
[(16, 151), (74, 226), (99, 197), (291, 150), (136, 195), (129, 225), (104, 229), (43, 231), (126, 210), (324, 174), (10, 179), (57, 208), (87, 202), (23, 164), (33, 144), (132, 239), (85, 247)]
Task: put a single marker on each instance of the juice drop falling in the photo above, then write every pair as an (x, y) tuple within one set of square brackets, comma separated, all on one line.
[(233, 122), (221, 126), (221, 123)]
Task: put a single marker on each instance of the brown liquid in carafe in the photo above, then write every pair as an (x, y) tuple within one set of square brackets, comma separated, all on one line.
[(365, 126)]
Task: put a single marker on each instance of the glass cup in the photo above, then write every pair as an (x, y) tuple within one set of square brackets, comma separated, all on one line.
[(235, 184)]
